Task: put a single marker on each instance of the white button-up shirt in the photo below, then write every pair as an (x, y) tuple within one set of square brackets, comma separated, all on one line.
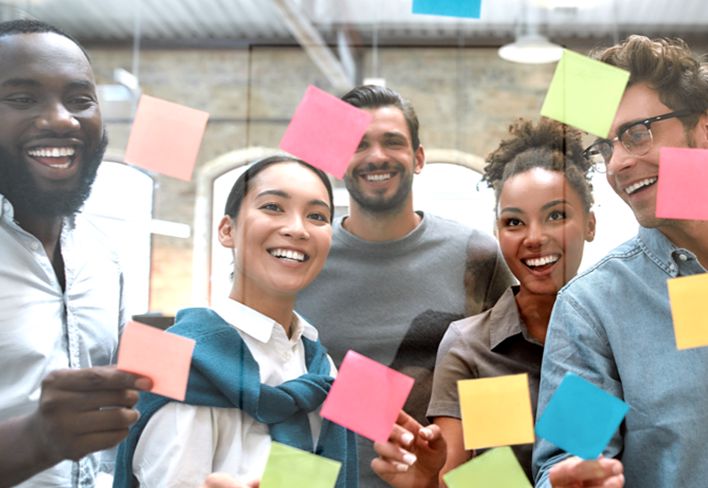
[(182, 444), (43, 328)]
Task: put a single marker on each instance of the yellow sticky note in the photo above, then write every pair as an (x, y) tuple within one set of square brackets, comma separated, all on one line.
[(585, 93), (689, 309), (496, 411)]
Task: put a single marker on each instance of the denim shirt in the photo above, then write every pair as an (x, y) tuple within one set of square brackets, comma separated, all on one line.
[(44, 328), (612, 325)]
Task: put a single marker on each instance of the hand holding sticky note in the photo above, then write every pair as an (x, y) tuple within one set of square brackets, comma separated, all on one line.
[(689, 309), (165, 137), (163, 357), (325, 131), (497, 467), (683, 179), (366, 397), (580, 418), (449, 8), (288, 467), (496, 411), (585, 93)]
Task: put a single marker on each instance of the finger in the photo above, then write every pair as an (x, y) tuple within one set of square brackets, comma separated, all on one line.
[(384, 467), (106, 420), (83, 401), (401, 436), (393, 452), (575, 470), (93, 442), (407, 422), (432, 435), (222, 480), (96, 378)]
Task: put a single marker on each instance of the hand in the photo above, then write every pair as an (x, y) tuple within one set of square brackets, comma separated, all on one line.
[(223, 480), (85, 410), (413, 455), (577, 473)]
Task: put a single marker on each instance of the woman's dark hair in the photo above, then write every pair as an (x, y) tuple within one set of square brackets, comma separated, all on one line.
[(240, 188), (549, 145)]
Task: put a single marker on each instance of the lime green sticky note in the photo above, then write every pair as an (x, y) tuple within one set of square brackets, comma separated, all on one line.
[(497, 467), (288, 467), (689, 310), (585, 93)]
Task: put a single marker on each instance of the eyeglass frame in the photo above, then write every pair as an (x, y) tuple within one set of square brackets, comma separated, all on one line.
[(618, 138)]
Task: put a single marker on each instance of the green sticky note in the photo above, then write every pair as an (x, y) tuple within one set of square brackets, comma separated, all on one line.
[(497, 467), (288, 467), (585, 93)]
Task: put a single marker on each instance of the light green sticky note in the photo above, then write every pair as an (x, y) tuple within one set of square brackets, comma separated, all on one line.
[(497, 467), (585, 93), (288, 467)]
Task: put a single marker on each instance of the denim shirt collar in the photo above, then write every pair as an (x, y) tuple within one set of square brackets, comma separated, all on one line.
[(675, 261)]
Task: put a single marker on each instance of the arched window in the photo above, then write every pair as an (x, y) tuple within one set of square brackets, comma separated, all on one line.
[(120, 205)]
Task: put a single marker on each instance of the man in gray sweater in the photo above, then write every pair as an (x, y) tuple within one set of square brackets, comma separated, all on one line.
[(395, 277)]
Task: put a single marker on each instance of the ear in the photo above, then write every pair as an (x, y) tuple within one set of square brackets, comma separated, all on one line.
[(700, 132), (419, 156), (590, 227), (227, 228)]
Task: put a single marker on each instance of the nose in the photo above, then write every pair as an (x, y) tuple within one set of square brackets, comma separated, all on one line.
[(295, 228), (375, 154), (621, 159), (535, 236), (56, 118)]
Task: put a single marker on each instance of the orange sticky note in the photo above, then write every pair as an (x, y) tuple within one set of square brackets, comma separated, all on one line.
[(325, 131), (163, 357), (165, 137), (683, 178), (689, 309), (496, 411)]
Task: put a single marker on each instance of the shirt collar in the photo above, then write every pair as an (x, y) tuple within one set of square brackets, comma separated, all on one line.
[(673, 260), (505, 319), (259, 326)]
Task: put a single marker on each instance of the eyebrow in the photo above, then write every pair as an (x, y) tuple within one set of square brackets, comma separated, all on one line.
[(29, 82), (548, 205), (283, 194)]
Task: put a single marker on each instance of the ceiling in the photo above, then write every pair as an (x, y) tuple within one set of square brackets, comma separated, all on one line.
[(217, 23)]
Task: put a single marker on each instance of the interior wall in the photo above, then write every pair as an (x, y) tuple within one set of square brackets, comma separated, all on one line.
[(465, 98)]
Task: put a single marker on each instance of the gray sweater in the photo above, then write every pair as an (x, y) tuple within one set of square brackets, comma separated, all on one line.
[(392, 301)]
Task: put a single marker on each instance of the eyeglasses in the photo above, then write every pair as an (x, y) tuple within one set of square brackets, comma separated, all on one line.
[(635, 137)]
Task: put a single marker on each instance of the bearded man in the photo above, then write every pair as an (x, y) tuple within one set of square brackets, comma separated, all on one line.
[(61, 305)]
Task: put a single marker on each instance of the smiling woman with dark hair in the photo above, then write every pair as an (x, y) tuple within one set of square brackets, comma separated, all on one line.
[(543, 200), (259, 373)]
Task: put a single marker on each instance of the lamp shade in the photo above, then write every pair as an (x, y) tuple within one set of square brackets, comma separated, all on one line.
[(532, 49)]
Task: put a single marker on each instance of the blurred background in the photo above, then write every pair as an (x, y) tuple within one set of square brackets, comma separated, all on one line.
[(248, 63)]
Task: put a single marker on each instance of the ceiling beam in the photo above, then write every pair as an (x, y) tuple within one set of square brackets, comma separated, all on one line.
[(314, 45)]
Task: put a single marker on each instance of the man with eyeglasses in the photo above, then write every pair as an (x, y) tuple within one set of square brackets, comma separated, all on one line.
[(612, 325)]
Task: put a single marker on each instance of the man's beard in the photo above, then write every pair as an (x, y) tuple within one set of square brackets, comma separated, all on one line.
[(19, 186), (379, 203)]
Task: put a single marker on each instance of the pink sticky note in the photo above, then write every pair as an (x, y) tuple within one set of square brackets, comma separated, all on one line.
[(163, 357), (325, 131), (366, 397), (165, 137), (683, 179)]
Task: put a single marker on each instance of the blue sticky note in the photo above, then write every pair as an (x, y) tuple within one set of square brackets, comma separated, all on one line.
[(580, 418), (469, 9)]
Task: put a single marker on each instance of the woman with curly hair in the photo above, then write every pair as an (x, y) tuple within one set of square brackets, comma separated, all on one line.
[(543, 199)]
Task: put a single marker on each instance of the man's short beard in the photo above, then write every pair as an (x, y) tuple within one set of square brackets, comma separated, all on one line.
[(380, 204), (17, 185)]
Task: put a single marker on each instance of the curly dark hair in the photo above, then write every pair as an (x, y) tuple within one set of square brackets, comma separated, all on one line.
[(666, 65), (549, 145)]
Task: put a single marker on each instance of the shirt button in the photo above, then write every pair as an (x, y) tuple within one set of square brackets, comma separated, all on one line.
[(34, 245), (682, 257)]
